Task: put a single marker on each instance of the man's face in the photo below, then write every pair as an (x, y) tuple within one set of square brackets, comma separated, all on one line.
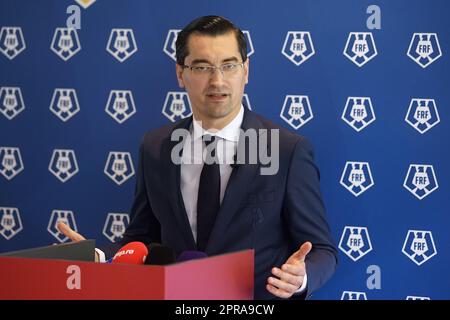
[(213, 96)]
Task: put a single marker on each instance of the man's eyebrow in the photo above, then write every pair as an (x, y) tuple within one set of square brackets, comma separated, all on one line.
[(232, 59), (227, 60), (196, 61)]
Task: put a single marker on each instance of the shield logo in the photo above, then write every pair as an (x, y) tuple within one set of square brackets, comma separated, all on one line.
[(355, 242), (65, 43), (420, 180), (65, 216), (63, 164), (11, 41), (296, 111), (119, 167), (177, 106), (120, 105), (424, 49), (298, 47), (358, 112), (360, 48), (115, 226), (422, 114), (353, 295), (357, 177), (169, 44), (64, 104), (11, 102), (10, 223), (419, 246), (10, 162), (121, 44)]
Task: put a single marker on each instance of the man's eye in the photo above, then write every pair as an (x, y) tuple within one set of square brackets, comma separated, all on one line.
[(228, 67), (201, 68)]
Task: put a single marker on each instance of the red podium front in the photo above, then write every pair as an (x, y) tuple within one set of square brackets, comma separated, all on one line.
[(223, 277)]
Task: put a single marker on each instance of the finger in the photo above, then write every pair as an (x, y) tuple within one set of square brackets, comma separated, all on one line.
[(288, 277), (294, 269), (278, 292), (282, 285), (69, 233), (301, 253)]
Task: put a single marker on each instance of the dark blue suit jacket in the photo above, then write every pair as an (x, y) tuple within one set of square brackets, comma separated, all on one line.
[(272, 214)]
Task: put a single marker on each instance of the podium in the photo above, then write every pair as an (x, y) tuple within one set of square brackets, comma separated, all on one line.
[(222, 277)]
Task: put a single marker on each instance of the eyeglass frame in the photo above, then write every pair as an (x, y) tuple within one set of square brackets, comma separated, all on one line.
[(211, 69)]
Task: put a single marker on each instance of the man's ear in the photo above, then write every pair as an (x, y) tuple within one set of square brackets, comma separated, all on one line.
[(179, 71), (246, 69)]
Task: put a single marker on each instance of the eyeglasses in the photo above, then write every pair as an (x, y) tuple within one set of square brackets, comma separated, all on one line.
[(226, 69)]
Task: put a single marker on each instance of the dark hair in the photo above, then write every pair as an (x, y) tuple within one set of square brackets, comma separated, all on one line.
[(211, 26)]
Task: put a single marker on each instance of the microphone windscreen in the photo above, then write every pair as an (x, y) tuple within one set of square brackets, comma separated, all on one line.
[(191, 255), (160, 255), (133, 253)]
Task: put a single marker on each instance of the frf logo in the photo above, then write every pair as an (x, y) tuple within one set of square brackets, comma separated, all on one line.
[(11, 41), (64, 103), (177, 106), (360, 48), (296, 111), (422, 114), (65, 216), (119, 167), (355, 242), (10, 223), (358, 112), (169, 46), (417, 298), (298, 47), (115, 226), (63, 164), (121, 44), (10, 162), (419, 246), (424, 48), (420, 180), (11, 102), (353, 295), (248, 39), (65, 43), (120, 105), (357, 177), (246, 102)]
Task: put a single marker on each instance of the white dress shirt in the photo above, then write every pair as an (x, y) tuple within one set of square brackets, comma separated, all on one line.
[(194, 151)]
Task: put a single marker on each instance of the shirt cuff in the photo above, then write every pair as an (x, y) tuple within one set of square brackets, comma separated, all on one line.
[(303, 287), (101, 255)]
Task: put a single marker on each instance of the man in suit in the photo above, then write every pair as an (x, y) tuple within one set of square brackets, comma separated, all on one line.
[(188, 202)]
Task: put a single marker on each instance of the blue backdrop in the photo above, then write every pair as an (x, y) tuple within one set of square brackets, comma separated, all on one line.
[(75, 103)]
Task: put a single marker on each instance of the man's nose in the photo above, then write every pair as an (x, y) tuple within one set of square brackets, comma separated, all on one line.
[(216, 76)]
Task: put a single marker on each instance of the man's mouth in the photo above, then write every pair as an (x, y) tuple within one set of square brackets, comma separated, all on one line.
[(217, 96)]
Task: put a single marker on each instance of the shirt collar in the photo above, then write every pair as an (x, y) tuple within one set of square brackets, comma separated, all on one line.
[(230, 132)]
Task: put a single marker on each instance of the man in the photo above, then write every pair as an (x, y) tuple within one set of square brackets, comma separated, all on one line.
[(226, 206)]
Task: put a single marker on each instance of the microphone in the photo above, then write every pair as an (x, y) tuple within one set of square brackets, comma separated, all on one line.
[(191, 255), (159, 254), (132, 253)]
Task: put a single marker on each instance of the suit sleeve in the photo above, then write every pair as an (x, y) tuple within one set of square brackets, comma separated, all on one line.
[(144, 226), (305, 216)]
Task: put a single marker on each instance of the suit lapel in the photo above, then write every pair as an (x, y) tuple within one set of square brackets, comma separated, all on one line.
[(236, 190), (172, 184)]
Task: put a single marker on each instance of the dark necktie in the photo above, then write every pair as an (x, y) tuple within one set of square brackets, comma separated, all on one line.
[(208, 201)]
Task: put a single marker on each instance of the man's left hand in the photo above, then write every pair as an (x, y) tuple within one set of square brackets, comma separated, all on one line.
[(290, 277)]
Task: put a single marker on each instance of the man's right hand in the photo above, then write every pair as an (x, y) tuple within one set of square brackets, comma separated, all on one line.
[(72, 235)]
